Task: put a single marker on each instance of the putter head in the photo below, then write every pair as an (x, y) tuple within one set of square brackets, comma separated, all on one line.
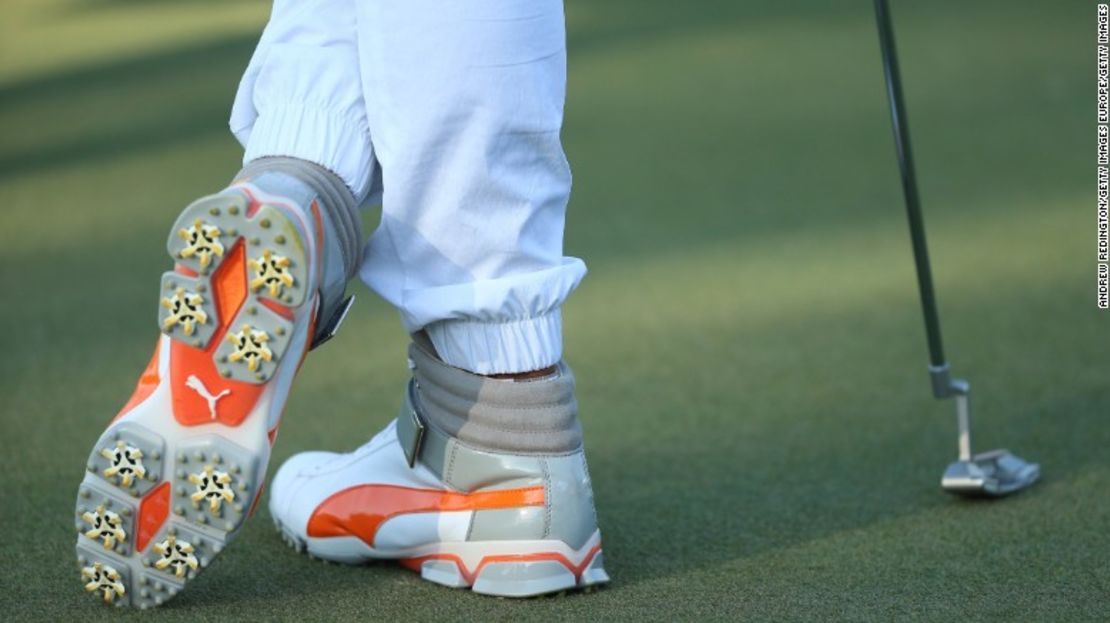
[(990, 474)]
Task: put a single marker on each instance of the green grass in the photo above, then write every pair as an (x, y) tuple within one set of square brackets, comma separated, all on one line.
[(748, 344)]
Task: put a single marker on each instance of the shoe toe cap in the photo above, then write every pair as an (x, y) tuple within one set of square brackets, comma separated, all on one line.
[(288, 482)]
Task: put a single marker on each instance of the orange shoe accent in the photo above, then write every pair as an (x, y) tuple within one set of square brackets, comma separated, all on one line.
[(253, 204), (229, 286), (470, 576), (314, 207), (148, 382), (153, 511), (361, 510), (277, 308), (257, 499)]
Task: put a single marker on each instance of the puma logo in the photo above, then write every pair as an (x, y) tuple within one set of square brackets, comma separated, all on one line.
[(198, 386)]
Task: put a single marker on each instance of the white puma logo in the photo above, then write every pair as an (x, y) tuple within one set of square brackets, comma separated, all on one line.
[(198, 386)]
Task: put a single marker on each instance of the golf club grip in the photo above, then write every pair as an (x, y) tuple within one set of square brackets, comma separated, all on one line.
[(909, 182)]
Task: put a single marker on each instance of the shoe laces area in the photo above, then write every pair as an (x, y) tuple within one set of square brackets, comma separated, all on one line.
[(343, 460)]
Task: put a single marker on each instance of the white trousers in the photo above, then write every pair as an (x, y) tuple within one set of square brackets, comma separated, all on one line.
[(447, 112)]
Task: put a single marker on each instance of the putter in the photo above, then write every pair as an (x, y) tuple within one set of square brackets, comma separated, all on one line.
[(991, 474)]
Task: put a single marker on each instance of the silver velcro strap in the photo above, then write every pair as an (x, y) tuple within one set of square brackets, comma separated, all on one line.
[(410, 430)]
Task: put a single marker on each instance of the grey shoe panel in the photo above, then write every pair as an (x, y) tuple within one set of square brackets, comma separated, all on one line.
[(527, 523), (443, 572), (570, 500), (523, 579), (468, 469)]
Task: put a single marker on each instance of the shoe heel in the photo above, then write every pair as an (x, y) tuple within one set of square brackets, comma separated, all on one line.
[(241, 270)]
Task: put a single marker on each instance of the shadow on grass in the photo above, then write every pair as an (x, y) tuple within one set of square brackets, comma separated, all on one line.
[(697, 158)]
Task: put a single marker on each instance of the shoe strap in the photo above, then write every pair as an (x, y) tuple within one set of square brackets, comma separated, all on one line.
[(459, 465), (410, 430)]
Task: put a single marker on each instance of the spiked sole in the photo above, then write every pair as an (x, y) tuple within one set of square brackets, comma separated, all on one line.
[(176, 475)]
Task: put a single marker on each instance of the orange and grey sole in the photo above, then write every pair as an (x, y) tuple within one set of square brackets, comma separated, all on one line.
[(181, 467), (499, 573)]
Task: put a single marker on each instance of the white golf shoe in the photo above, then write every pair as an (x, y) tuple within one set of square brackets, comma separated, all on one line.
[(512, 524), (180, 468)]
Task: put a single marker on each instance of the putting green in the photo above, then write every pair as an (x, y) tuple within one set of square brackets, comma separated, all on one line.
[(748, 344)]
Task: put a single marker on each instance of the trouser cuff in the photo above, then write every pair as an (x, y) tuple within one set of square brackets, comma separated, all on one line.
[(507, 347)]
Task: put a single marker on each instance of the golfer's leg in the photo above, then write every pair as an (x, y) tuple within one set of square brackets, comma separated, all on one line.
[(301, 118), (465, 104), (301, 95)]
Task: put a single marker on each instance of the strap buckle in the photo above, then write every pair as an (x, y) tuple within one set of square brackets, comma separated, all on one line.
[(410, 429), (328, 329)]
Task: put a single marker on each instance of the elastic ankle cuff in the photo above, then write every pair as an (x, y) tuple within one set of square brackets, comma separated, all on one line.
[(336, 141), (507, 347)]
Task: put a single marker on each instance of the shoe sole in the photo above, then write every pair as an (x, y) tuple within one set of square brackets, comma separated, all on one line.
[(167, 489), (494, 568)]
